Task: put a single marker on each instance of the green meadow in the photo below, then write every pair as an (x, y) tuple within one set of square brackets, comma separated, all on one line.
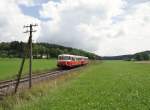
[(107, 85), (9, 66)]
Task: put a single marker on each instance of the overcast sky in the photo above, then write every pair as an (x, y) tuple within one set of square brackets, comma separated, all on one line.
[(105, 27)]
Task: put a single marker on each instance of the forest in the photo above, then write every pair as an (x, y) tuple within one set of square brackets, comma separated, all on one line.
[(17, 49)]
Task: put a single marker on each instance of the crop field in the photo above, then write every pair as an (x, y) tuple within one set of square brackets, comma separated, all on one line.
[(9, 67), (108, 85)]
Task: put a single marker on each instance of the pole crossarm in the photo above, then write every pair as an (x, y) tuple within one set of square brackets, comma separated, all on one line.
[(26, 26)]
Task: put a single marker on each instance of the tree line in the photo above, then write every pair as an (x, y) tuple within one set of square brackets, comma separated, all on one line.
[(141, 56), (15, 49)]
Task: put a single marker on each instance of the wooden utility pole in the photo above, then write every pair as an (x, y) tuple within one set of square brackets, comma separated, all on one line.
[(30, 50), (19, 74), (25, 53), (26, 50)]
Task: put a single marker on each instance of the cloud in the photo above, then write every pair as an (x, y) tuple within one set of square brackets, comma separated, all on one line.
[(101, 26), (134, 36), (134, 2), (80, 24), (12, 21)]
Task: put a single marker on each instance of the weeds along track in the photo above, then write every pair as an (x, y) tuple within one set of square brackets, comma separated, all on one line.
[(8, 86)]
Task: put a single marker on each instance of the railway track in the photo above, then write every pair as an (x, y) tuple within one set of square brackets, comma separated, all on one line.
[(7, 86)]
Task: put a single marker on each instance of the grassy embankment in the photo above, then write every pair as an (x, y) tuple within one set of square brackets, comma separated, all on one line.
[(111, 85), (9, 67)]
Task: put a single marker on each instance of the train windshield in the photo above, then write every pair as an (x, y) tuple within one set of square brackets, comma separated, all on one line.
[(64, 58)]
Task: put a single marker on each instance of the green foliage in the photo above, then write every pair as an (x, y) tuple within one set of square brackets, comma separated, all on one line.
[(40, 50), (109, 85), (141, 56)]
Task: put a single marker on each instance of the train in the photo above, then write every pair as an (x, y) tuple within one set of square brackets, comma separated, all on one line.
[(71, 61)]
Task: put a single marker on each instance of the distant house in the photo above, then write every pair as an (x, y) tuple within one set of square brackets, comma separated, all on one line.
[(44, 56), (39, 56)]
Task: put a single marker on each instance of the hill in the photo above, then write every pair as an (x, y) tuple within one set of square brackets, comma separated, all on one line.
[(142, 56), (121, 57), (145, 55), (41, 50)]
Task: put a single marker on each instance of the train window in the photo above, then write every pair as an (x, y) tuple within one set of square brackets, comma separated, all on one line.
[(77, 59), (73, 59), (60, 58), (66, 57)]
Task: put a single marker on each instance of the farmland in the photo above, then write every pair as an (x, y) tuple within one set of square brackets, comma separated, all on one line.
[(107, 85), (9, 66)]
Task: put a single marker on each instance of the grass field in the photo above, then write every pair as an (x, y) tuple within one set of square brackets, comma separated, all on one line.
[(109, 85), (9, 67)]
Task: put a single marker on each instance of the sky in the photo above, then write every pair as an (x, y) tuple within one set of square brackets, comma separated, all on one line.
[(104, 27)]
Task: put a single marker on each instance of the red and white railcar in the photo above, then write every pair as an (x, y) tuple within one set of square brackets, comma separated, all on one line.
[(70, 61)]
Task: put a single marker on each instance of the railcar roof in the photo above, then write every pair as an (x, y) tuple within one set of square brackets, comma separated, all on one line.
[(73, 56), (66, 55)]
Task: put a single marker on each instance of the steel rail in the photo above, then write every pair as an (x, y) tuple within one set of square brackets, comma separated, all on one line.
[(7, 83), (4, 85)]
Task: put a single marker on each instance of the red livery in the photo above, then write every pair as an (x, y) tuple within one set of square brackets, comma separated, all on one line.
[(70, 61)]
